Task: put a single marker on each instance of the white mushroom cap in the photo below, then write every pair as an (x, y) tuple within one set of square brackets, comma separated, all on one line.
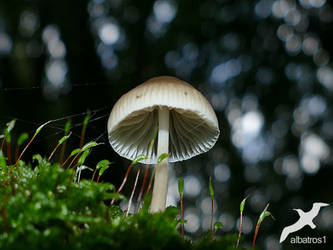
[(133, 119)]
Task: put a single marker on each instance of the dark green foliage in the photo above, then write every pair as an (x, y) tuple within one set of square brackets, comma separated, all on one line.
[(42, 208)]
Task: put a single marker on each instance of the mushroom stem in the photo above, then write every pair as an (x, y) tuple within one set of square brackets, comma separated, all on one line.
[(161, 175)]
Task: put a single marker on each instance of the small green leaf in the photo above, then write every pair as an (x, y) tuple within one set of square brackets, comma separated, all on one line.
[(103, 163), (267, 213), (20, 163), (242, 205), (22, 138), (64, 138), (162, 157), (83, 157), (37, 157), (101, 171), (264, 214), (75, 151), (90, 145), (181, 186), (139, 158), (211, 189), (115, 196), (67, 126), (217, 225)]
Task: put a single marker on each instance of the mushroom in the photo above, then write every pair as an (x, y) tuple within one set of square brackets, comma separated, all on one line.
[(186, 121)]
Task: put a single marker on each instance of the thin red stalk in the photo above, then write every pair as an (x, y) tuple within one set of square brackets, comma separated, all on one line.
[(3, 143), (9, 152), (54, 150), (211, 221), (182, 214), (255, 235), (134, 187), (63, 164), (92, 178), (151, 181), (17, 148), (83, 134), (142, 188), (4, 215), (240, 228), (82, 137), (25, 148), (62, 152), (149, 185), (98, 178), (212, 218), (123, 183), (76, 156)]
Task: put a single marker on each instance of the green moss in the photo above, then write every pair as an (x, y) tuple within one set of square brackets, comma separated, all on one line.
[(42, 208)]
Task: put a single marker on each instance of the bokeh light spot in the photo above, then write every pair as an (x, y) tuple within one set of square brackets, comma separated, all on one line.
[(5, 44), (109, 33), (164, 11)]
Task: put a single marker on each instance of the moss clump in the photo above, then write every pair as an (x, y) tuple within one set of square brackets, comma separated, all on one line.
[(42, 208)]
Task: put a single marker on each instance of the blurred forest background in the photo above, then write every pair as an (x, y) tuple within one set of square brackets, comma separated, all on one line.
[(265, 66)]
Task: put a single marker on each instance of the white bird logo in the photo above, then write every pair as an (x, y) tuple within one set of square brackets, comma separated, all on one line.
[(305, 218)]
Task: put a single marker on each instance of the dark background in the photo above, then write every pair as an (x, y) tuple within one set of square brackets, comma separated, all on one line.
[(264, 65)]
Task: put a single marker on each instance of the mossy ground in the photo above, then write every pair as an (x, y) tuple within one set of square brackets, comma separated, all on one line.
[(43, 208)]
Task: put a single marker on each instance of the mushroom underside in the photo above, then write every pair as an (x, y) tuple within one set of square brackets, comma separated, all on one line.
[(190, 135)]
